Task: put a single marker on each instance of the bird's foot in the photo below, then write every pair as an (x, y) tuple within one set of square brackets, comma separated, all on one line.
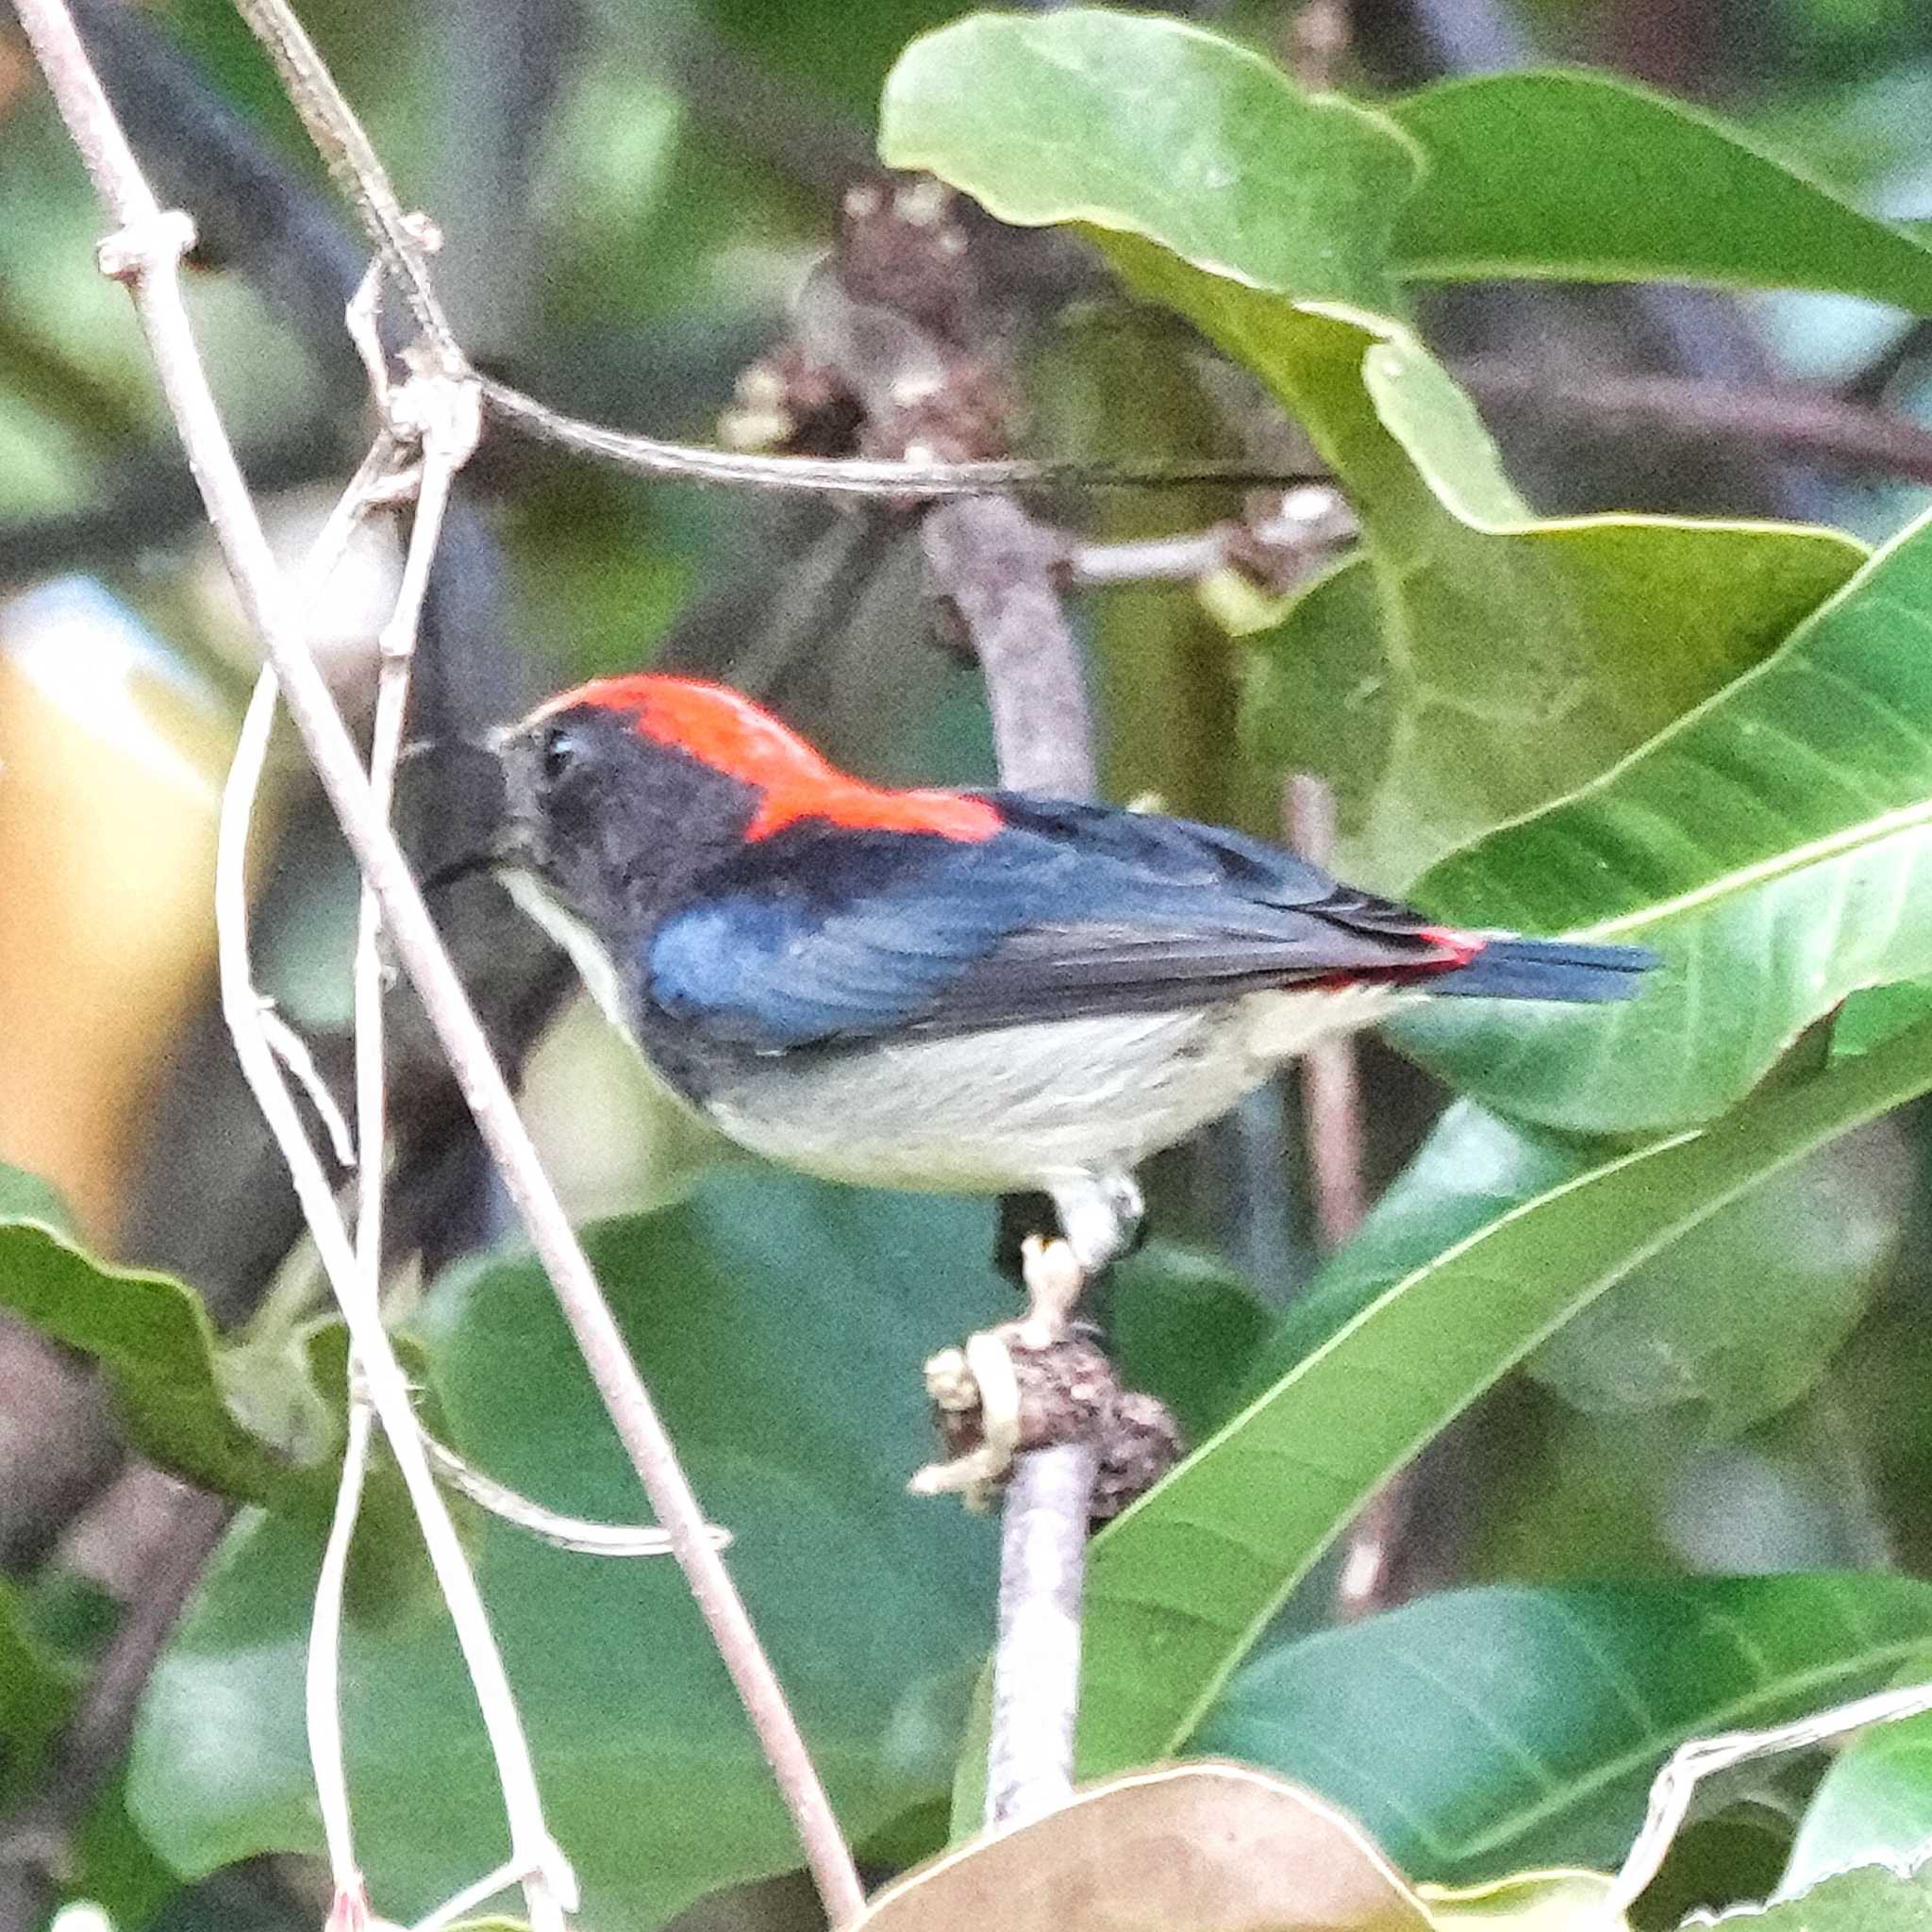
[(996, 1397), (976, 1387), (975, 1393), (1036, 1381)]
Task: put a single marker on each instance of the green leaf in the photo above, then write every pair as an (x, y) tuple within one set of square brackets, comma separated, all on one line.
[(1374, 1363), (1733, 1319), (781, 1325), (1475, 664), (1773, 843), (1154, 128), (177, 1394), (1874, 1898), (1874, 1806), (1740, 1318), (1184, 1327), (1587, 177), (1480, 1730), (1503, 671)]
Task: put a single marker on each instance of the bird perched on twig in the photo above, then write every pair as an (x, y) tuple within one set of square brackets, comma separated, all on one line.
[(961, 991)]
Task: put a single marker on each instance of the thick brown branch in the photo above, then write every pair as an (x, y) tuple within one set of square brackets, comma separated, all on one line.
[(996, 565)]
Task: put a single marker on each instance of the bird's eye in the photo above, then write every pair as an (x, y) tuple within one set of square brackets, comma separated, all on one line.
[(560, 752)]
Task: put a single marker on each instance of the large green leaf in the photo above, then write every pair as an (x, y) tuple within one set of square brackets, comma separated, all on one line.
[(1874, 1898), (781, 1325), (1476, 664), (1774, 845), (1874, 1804), (1591, 178), (186, 1403), (1731, 1322), (1481, 1730), (1159, 129), (1375, 1362), (1487, 674)]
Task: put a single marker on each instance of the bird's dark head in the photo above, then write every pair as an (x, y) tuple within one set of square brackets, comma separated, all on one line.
[(615, 797), (622, 794)]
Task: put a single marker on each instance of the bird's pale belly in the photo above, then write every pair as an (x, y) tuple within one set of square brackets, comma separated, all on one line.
[(1026, 1106), (1013, 1108)]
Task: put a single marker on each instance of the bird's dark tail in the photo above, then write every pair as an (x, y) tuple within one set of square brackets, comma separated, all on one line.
[(1549, 970)]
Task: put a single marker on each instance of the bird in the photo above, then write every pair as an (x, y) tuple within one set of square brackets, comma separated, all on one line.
[(963, 991)]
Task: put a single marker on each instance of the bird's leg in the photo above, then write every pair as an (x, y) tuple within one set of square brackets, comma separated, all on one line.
[(1053, 1278), (1021, 1215)]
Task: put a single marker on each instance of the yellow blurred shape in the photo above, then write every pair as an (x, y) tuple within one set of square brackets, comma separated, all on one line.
[(110, 762)]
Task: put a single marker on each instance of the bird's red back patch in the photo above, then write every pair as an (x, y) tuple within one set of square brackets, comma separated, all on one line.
[(730, 733)]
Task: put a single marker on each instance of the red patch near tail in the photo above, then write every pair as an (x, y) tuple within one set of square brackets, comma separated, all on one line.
[(731, 734), (1455, 951), (1458, 947)]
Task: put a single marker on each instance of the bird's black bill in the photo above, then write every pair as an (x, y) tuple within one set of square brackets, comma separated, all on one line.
[(450, 809)]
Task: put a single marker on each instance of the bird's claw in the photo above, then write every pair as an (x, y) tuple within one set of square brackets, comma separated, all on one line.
[(982, 1377), (978, 1381)]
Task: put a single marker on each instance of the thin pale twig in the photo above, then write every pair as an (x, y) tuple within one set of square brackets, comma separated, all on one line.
[(578, 1534), (467, 1900), (1702, 1757), (352, 158), (447, 434), (1183, 559), (551, 1888), (322, 1683), (292, 1050), (904, 479)]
